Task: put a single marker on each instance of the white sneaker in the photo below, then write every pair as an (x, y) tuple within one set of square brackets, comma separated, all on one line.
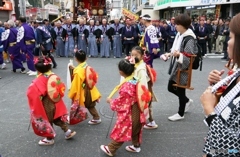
[(7, 61), (150, 125), (175, 117), (188, 105), (3, 66), (93, 122), (29, 72), (46, 142), (33, 73), (133, 149)]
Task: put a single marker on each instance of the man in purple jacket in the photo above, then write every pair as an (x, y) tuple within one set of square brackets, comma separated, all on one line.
[(9, 38), (26, 41)]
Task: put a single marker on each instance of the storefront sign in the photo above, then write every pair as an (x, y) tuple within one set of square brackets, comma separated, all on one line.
[(129, 14), (52, 9), (163, 4)]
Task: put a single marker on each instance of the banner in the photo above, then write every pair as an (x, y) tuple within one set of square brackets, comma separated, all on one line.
[(129, 14)]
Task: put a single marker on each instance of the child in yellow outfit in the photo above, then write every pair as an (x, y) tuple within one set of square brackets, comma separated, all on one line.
[(80, 90)]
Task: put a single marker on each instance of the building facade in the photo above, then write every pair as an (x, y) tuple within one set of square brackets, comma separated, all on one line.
[(209, 8)]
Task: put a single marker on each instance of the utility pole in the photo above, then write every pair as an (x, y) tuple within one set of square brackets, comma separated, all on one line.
[(22, 6)]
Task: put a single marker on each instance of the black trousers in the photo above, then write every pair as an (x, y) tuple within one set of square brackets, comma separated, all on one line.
[(181, 94), (48, 53), (209, 42), (204, 48), (128, 48), (225, 45), (169, 46)]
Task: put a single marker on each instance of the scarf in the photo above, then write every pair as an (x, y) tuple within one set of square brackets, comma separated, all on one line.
[(119, 86), (179, 38)]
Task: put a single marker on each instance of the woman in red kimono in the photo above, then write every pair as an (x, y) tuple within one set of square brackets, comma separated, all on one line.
[(46, 105), (129, 118)]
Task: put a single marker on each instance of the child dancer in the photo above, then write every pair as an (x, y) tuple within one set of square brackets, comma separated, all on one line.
[(80, 91), (141, 73), (46, 104), (129, 118)]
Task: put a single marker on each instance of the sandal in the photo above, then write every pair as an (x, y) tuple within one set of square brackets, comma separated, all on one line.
[(46, 142), (133, 149), (105, 149), (70, 135)]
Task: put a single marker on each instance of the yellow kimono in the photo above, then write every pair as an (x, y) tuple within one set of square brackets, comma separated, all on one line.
[(76, 92)]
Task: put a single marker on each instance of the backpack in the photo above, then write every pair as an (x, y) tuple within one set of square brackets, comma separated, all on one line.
[(198, 59)]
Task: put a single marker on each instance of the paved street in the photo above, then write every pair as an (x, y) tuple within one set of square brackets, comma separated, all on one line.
[(171, 139)]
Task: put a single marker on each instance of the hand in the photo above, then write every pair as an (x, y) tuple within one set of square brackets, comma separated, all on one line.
[(176, 53), (167, 55), (125, 38), (71, 67), (160, 38), (154, 50), (208, 100), (109, 100), (225, 31), (132, 38), (205, 37), (215, 76)]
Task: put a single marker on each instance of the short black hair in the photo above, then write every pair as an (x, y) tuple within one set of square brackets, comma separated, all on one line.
[(81, 55), (43, 64), (22, 19), (183, 20), (140, 51), (126, 67)]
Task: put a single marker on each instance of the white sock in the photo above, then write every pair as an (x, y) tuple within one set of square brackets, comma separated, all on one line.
[(68, 132)]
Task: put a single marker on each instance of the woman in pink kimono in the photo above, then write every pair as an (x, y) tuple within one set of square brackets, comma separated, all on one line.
[(130, 119)]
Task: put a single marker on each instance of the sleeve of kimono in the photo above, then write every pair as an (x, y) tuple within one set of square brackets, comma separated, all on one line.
[(119, 101), (86, 33), (109, 33), (164, 34), (220, 136), (39, 36), (134, 32), (74, 32), (189, 49), (54, 34), (123, 32), (74, 91), (4, 39), (64, 34), (98, 33), (142, 76), (120, 30)]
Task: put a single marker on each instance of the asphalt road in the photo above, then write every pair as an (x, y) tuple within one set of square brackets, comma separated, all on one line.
[(171, 139)]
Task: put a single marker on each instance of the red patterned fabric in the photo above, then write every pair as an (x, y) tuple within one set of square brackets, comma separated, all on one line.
[(39, 120), (122, 130)]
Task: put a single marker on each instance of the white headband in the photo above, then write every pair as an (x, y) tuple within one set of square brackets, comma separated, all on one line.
[(38, 21), (146, 18)]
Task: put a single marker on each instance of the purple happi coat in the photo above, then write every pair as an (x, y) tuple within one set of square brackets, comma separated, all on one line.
[(26, 34), (151, 42), (9, 38)]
